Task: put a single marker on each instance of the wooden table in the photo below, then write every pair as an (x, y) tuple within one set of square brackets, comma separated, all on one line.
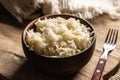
[(13, 63)]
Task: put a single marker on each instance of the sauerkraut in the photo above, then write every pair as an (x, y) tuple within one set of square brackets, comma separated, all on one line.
[(58, 37)]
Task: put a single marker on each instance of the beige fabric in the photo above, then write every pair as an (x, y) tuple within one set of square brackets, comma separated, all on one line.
[(83, 8), (22, 9)]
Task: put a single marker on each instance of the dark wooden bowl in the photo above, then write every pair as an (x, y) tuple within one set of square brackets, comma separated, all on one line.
[(59, 66)]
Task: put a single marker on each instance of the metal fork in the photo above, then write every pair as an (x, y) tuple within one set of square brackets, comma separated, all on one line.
[(109, 45)]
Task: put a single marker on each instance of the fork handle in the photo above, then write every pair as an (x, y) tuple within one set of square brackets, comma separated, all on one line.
[(99, 69)]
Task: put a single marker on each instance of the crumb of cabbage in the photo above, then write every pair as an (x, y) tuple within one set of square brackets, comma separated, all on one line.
[(58, 37)]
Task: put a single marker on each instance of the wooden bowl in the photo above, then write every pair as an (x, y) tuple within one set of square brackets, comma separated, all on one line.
[(59, 66)]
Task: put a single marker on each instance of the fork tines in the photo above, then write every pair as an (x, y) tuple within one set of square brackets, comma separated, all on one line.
[(111, 36)]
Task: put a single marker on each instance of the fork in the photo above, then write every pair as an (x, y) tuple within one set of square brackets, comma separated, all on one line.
[(108, 46)]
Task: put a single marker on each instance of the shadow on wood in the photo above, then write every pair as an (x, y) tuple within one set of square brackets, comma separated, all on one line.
[(28, 72)]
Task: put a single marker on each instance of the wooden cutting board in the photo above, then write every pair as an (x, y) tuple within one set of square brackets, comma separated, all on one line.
[(13, 63), (116, 76)]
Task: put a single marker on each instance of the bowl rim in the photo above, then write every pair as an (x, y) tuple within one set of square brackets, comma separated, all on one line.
[(57, 15)]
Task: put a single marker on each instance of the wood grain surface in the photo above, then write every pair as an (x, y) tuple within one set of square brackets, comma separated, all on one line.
[(13, 63)]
